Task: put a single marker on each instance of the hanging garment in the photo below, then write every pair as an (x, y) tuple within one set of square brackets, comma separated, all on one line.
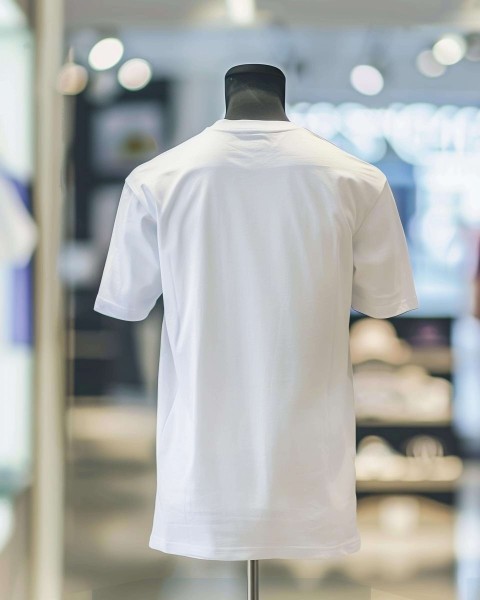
[(261, 236)]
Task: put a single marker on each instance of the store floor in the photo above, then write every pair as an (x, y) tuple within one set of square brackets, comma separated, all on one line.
[(110, 496)]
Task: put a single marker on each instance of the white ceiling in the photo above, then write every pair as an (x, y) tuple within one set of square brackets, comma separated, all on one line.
[(320, 13), (316, 44), (317, 62)]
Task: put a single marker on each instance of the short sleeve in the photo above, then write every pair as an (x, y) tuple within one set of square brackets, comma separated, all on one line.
[(131, 280), (382, 284)]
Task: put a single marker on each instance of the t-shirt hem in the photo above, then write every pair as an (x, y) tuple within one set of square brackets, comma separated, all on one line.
[(255, 552), (384, 311), (111, 309)]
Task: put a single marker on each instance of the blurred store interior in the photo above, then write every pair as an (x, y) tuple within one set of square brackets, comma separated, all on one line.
[(92, 89)]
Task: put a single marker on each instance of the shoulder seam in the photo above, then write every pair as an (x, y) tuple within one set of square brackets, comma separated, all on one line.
[(374, 203), (338, 148), (133, 188)]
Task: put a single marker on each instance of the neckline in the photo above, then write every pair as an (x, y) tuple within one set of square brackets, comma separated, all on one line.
[(252, 125)]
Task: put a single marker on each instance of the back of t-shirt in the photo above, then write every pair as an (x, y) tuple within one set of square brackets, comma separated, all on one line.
[(261, 236)]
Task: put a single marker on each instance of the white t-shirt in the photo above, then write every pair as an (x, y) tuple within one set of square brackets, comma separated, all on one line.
[(260, 235)]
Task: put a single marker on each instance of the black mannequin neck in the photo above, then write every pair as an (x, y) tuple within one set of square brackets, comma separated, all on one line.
[(255, 91)]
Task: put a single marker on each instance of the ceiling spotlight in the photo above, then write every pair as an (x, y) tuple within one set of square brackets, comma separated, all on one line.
[(241, 12), (72, 78), (105, 54), (135, 74), (366, 79), (449, 49), (428, 65)]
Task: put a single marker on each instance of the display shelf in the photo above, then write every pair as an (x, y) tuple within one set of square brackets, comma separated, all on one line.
[(404, 423), (447, 497), (430, 342), (398, 434), (373, 485)]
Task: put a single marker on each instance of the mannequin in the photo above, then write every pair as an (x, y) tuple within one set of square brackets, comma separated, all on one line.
[(277, 480), (255, 92)]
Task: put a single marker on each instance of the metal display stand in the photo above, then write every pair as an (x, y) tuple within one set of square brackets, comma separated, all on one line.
[(252, 571)]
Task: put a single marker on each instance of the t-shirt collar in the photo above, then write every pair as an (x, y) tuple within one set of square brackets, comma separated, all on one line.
[(252, 125)]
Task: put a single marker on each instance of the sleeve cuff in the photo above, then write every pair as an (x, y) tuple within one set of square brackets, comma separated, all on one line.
[(110, 309), (385, 311)]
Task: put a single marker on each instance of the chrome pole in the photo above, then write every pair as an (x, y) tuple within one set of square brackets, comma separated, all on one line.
[(252, 580)]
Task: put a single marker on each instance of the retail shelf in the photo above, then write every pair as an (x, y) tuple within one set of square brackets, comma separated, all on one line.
[(405, 423), (406, 486), (435, 360)]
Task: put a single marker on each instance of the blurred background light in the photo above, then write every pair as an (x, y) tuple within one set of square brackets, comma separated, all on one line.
[(105, 54), (366, 79), (72, 79), (428, 65), (135, 74), (450, 49), (241, 11)]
